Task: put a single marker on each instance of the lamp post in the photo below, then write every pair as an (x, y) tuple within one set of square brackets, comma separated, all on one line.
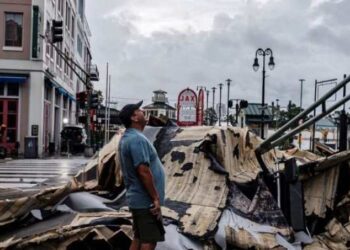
[(220, 88), (228, 99), (263, 53), (213, 88)]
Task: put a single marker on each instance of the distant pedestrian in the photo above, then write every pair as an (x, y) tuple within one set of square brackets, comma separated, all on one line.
[(144, 179)]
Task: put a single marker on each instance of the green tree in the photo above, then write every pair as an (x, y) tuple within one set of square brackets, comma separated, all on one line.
[(210, 117), (285, 116)]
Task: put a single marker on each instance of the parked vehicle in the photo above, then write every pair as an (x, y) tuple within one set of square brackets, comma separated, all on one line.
[(73, 139)]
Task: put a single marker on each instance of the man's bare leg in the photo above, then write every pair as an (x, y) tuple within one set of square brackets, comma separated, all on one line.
[(135, 244), (148, 246)]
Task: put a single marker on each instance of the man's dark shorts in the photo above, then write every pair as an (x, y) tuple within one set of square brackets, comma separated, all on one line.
[(146, 226)]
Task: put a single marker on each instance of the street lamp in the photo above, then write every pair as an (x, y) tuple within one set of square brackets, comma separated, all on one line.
[(228, 99), (263, 53), (65, 121), (220, 88)]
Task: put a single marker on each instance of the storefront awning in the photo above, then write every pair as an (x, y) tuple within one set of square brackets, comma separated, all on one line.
[(17, 79)]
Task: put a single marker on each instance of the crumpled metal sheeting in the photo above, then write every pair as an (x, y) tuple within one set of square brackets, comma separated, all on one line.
[(11, 210), (92, 235), (245, 240), (235, 150), (81, 226), (302, 156), (199, 221), (191, 181), (107, 153), (231, 223), (320, 192), (336, 237), (261, 208)]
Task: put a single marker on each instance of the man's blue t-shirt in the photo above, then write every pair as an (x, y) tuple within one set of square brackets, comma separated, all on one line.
[(135, 149)]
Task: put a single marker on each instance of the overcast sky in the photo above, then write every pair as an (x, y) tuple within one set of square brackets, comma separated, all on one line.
[(174, 44)]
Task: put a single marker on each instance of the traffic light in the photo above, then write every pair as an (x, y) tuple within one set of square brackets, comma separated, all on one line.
[(243, 104), (57, 31), (95, 100), (81, 99), (230, 103)]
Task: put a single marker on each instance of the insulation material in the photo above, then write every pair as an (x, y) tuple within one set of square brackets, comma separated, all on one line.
[(320, 192), (245, 240), (199, 221), (186, 172), (10, 210), (335, 237), (209, 170)]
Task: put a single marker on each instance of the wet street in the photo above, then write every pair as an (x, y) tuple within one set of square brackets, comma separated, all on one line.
[(33, 174)]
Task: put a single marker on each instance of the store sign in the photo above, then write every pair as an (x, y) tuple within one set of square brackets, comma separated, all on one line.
[(200, 108), (187, 108)]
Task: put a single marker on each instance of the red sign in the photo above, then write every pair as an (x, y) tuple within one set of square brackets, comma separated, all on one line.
[(200, 107), (187, 108)]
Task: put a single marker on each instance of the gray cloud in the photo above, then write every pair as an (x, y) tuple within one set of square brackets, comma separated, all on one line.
[(205, 42)]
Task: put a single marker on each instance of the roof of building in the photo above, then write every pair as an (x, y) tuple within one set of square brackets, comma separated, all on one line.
[(160, 91), (159, 105), (254, 109), (326, 122)]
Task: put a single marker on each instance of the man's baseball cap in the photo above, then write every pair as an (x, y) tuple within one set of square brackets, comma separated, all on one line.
[(127, 111)]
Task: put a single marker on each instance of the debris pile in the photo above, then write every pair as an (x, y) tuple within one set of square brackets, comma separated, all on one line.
[(218, 196)]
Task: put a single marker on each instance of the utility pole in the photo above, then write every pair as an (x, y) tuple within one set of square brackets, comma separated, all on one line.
[(213, 88), (220, 87), (228, 98), (105, 141), (301, 93), (278, 112), (301, 106), (109, 106), (207, 114), (207, 99)]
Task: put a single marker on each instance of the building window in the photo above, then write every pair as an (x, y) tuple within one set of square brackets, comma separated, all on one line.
[(58, 57), (67, 16), (2, 89), (12, 89), (81, 8), (60, 6), (73, 26), (79, 46), (13, 29), (65, 63)]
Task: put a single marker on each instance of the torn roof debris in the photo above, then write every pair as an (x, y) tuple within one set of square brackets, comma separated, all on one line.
[(218, 196)]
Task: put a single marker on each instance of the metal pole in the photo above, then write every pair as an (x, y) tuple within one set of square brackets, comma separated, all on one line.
[(207, 98), (301, 105), (228, 99), (309, 122), (220, 88), (109, 107), (213, 88), (207, 114), (344, 92), (278, 111), (106, 98), (314, 125), (263, 100), (265, 145)]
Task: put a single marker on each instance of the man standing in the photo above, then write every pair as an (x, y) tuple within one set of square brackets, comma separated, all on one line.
[(144, 179)]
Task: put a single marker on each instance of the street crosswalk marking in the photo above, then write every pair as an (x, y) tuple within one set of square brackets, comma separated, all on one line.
[(32, 174)]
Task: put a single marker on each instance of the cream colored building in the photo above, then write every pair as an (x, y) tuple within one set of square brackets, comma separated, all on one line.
[(160, 106), (37, 88)]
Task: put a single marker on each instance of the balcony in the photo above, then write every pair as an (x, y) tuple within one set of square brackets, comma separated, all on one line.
[(94, 74)]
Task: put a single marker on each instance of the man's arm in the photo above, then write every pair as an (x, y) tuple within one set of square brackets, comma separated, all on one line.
[(146, 178)]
